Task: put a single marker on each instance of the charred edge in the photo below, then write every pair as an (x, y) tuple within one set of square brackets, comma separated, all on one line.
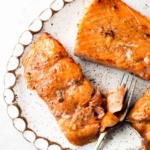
[(147, 35), (61, 100), (98, 1), (115, 7), (111, 34), (79, 82)]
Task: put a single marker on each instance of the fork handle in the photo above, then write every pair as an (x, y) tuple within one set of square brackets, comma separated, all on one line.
[(100, 139)]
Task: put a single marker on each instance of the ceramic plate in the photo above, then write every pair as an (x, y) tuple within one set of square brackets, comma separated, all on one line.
[(29, 113)]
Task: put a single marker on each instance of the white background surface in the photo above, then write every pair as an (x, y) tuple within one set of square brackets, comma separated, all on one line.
[(15, 17)]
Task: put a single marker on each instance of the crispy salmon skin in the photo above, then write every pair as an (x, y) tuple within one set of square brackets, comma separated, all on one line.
[(113, 34)]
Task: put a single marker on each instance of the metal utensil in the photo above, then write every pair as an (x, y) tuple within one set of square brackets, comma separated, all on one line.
[(129, 90)]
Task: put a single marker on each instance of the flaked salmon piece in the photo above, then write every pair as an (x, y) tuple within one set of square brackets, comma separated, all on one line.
[(100, 112), (139, 116), (59, 81), (115, 99), (108, 120), (113, 34)]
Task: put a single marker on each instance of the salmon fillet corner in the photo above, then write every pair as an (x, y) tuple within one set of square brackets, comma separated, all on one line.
[(113, 34)]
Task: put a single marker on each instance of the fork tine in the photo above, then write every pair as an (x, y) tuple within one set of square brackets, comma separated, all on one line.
[(121, 82), (132, 90), (124, 82), (128, 97), (124, 78)]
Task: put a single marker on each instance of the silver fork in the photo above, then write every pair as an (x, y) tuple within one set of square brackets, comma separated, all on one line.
[(129, 90)]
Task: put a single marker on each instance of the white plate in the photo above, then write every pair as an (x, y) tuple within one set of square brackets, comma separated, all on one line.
[(29, 113)]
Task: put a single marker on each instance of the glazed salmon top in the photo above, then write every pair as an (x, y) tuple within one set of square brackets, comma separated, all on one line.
[(113, 34)]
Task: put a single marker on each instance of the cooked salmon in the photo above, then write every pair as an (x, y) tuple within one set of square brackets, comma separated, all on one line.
[(139, 116), (59, 81), (115, 99), (108, 120), (113, 34)]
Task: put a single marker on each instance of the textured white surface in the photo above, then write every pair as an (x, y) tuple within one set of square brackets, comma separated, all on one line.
[(16, 16)]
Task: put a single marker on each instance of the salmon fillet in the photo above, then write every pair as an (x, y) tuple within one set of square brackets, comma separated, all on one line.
[(139, 116), (113, 34), (78, 108), (115, 99), (59, 81)]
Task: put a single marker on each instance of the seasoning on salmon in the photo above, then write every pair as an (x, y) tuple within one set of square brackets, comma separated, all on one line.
[(113, 34), (139, 116)]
